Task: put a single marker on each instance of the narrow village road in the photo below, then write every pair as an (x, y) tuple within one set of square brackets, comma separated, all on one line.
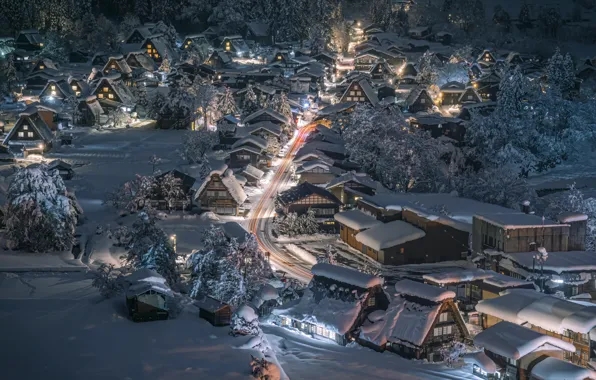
[(263, 214)]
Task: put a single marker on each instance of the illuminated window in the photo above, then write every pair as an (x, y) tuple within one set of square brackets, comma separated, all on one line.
[(352, 93), (349, 99), (100, 96), (74, 87), (105, 89), (78, 93), (41, 67), (148, 46), (371, 301), (25, 127), (443, 317), (113, 66), (402, 250), (53, 87), (359, 93), (53, 93), (40, 44), (30, 134), (21, 134), (156, 55), (111, 96)]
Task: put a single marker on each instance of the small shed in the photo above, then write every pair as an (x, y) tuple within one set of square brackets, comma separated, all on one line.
[(146, 298), (216, 312), (64, 169)]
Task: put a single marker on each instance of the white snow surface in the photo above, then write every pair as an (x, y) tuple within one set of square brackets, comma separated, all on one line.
[(266, 293), (551, 313), (514, 341), (481, 360), (389, 235), (302, 254), (356, 219), (570, 217), (346, 275), (234, 187), (558, 262), (425, 291), (247, 312), (556, 369), (404, 321)]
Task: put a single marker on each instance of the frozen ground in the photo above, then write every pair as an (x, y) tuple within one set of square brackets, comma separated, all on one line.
[(54, 326)]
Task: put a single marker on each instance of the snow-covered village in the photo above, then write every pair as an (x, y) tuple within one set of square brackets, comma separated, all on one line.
[(298, 189)]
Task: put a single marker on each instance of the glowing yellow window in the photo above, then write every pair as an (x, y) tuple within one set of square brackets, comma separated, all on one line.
[(53, 87), (156, 55), (53, 93), (105, 89), (78, 93), (100, 96), (113, 66), (41, 67), (74, 87), (148, 46), (111, 96), (40, 44)]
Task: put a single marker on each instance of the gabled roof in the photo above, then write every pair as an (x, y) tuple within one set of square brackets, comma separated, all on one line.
[(389, 235), (414, 94), (336, 108), (346, 275), (119, 88), (144, 30), (48, 63), (124, 67), (366, 88), (304, 190), (162, 45), (361, 178), (142, 58), (210, 304), (34, 120), (250, 139), (274, 114), (258, 29), (32, 36), (234, 188), (309, 165), (62, 84), (356, 219), (453, 87), (253, 172)]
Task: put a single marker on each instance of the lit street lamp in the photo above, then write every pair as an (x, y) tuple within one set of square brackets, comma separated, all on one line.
[(173, 239)]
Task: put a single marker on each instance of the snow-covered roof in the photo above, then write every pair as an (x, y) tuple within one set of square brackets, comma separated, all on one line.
[(403, 321), (346, 275), (361, 178), (144, 274), (236, 231), (266, 293), (443, 208), (250, 139), (552, 368), (389, 235), (336, 108), (253, 172), (462, 275), (481, 360), (424, 291), (303, 190), (259, 29), (558, 262), (274, 114), (570, 217), (551, 313), (514, 341), (233, 186), (516, 220), (356, 219), (333, 314), (143, 280), (210, 304), (503, 281)]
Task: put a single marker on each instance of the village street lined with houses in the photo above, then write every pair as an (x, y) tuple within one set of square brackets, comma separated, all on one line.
[(298, 189)]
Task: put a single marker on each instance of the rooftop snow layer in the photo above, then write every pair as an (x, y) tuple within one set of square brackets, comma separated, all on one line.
[(514, 341), (503, 281), (346, 275), (552, 368), (356, 220), (558, 262), (389, 235), (424, 291), (481, 360), (551, 313), (462, 275), (404, 321), (570, 217), (516, 220)]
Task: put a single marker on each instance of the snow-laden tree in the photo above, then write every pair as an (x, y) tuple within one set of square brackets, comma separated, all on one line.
[(549, 21), (380, 12), (560, 72), (194, 11), (462, 54), (230, 15), (204, 100), (151, 248), (467, 14), (128, 24), (40, 216), (524, 18), (134, 195), (8, 73), (279, 103), (251, 102), (226, 104), (141, 95), (294, 225), (196, 53), (329, 257), (167, 30), (170, 189), (165, 65), (197, 144), (106, 281), (501, 18), (245, 321), (427, 69), (226, 270)]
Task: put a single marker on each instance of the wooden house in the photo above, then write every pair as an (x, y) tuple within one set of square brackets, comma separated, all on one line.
[(215, 312), (112, 92), (360, 91), (511, 351), (235, 45), (283, 59), (382, 71), (90, 111), (48, 113), (419, 321), (351, 186), (451, 92), (326, 58), (487, 58), (158, 47), (352, 222), (305, 196), (30, 132), (218, 59), (195, 39), (249, 150), (34, 83), (57, 89), (470, 96), (147, 296), (259, 32), (100, 59), (80, 87), (64, 169), (488, 86), (407, 71), (586, 73), (221, 193), (438, 126), (418, 100), (300, 84), (311, 315), (267, 114), (140, 60), (317, 172), (267, 130), (45, 65), (29, 40), (139, 34), (117, 64), (566, 320), (420, 32)]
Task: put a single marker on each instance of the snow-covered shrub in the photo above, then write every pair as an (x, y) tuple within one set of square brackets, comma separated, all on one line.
[(150, 247), (329, 257), (226, 270), (245, 321), (261, 369), (121, 236), (293, 225), (291, 291), (451, 353), (106, 281), (197, 144), (134, 195), (40, 216)]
